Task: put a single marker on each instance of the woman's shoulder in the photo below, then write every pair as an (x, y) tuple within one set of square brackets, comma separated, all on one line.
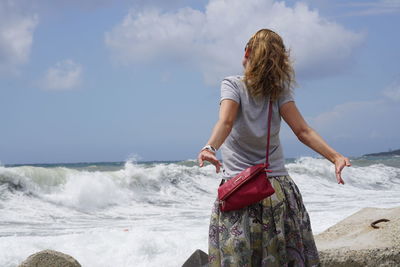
[(236, 82), (232, 88), (234, 79)]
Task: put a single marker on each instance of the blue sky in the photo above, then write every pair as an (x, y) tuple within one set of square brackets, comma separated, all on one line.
[(84, 81)]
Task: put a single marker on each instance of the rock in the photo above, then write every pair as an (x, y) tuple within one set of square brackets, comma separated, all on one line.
[(354, 242), (50, 258), (198, 259), (359, 258)]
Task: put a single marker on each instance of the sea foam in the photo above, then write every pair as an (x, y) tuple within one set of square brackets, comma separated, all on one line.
[(156, 214)]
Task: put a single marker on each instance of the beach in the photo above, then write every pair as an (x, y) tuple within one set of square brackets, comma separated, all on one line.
[(157, 213)]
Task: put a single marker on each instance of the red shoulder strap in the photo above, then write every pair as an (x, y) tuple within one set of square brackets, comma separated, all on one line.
[(268, 133)]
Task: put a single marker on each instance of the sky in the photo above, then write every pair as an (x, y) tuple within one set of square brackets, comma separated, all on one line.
[(90, 81)]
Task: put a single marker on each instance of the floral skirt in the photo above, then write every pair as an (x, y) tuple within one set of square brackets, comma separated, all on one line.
[(273, 232)]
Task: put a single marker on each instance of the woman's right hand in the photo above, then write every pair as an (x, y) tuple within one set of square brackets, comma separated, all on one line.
[(206, 155), (340, 162)]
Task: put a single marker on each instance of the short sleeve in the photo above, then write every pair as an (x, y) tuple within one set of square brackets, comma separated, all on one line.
[(287, 96), (230, 90)]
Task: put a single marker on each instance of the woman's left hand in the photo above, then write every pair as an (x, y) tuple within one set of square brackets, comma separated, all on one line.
[(206, 155), (340, 162)]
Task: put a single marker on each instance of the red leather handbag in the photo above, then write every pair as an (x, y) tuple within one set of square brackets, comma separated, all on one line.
[(250, 186)]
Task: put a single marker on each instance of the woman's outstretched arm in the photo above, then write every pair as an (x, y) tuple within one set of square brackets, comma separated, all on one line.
[(312, 139), (227, 115)]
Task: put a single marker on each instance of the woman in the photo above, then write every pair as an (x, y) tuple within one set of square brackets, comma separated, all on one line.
[(277, 230)]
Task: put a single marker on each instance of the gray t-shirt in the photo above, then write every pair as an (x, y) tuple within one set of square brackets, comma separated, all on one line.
[(246, 144)]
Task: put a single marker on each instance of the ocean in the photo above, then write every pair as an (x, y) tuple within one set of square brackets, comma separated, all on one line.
[(157, 213)]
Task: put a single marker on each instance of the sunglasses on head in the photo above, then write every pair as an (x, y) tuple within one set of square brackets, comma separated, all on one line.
[(247, 50)]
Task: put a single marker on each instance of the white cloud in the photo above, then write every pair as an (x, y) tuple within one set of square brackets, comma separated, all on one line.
[(16, 36), (393, 90), (353, 128), (373, 7), (213, 40), (64, 75), (356, 121), (351, 119)]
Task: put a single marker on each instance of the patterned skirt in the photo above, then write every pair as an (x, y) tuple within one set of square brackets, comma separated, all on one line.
[(273, 232)]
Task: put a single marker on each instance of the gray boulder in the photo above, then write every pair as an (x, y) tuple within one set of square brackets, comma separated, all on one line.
[(360, 258), (198, 259), (355, 242), (50, 258)]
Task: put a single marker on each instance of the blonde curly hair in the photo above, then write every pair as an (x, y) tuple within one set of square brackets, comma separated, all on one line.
[(268, 70)]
